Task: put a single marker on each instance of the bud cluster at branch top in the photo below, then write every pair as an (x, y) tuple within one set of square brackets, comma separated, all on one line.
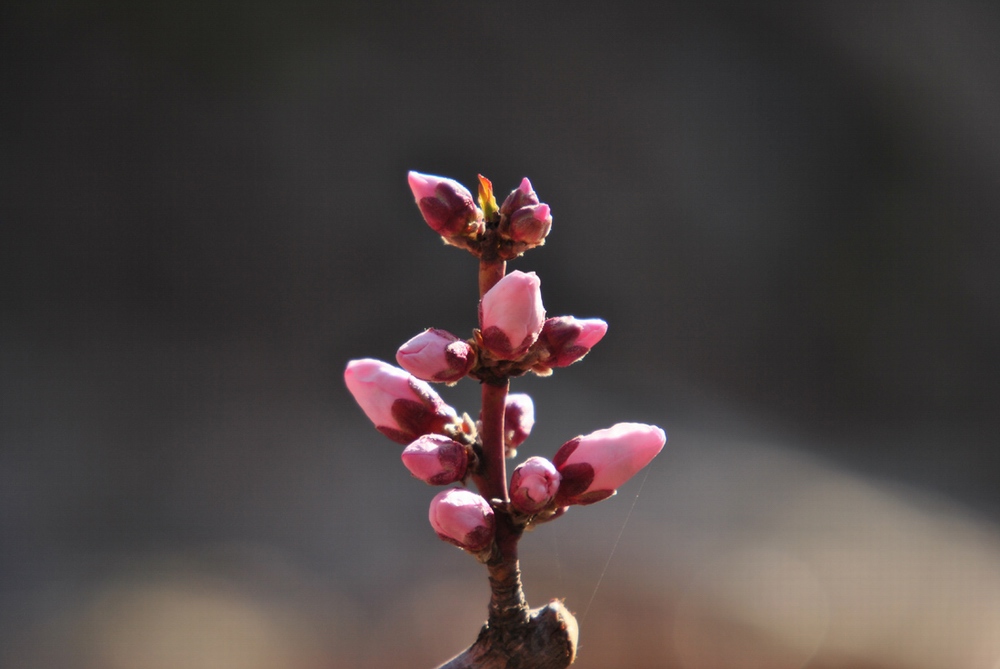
[(487, 231), (514, 337)]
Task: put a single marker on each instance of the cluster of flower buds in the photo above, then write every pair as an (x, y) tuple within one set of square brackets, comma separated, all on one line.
[(513, 337), (507, 231)]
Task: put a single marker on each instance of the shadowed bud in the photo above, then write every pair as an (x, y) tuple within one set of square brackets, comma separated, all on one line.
[(401, 406), (511, 315), (446, 205), (593, 466), (522, 196), (436, 355), (462, 518), (518, 419), (530, 225), (533, 485), (436, 459), (568, 339)]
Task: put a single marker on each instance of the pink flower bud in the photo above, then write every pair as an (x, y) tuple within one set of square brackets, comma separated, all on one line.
[(518, 419), (446, 205), (530, 224), (533, 485), (593, 466), (511, 315), (568, 339), (436, 459), (522, 196), (436, 355), (401, 406), (462, 518)]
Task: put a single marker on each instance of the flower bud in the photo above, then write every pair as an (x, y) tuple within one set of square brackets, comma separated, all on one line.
[(593, 466), (568, 339), (511, 315), (522, 196), (401, 406), (462, 518), (436, 355), (518, 419), (436, 459), (446, 205), (533, 485), (530, 225)]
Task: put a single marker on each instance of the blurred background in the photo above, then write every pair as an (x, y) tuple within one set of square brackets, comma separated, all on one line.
[(787, 212)]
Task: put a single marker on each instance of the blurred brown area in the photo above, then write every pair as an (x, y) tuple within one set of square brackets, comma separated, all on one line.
[(787, 212)]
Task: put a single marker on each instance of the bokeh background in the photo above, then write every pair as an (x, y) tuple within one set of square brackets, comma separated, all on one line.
[(787, 212)]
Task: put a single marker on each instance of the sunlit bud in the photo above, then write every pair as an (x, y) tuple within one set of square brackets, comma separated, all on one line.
[(522, 196), (401, 406), (533, 485), (436, 459), (518, 419), (568, 339), (446, 205), (511, 315), (593, 466), (530, 225), (462, 518), (436, 355)]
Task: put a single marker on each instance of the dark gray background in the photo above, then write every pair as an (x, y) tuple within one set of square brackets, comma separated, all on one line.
[(787, 212)]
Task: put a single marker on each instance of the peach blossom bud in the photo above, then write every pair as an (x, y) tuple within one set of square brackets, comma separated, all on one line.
[(522, 196), (568, 339), (533, 485), (530, 225), (518, 419), (436, 355), (462, 518), (401, 406), (593, 466), (511, 315), (446, 205), (436, 459)]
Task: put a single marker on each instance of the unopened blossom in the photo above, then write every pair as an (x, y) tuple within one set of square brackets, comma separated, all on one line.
[(518, 419), (511, 315), (530, 225), (522, 196), (436, 355), (436, 459), (401, 406), (566, 339), (534, 485), (594, 465), (463, 518), (446, 205)]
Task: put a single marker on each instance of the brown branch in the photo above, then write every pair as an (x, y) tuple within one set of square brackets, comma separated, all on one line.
[(492, 476), (513, 637), (489, 273)]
